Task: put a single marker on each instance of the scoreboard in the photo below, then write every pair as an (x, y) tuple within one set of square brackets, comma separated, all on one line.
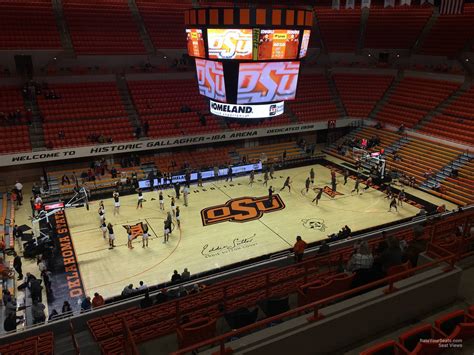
[(248, 60)]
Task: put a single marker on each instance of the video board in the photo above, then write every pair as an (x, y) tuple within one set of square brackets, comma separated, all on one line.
[(305, 43), (230, 44), (278, 44), (267, 82), (210, 76), (195, 43)]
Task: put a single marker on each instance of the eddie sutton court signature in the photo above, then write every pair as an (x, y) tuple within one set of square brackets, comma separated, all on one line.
[(237, 243)]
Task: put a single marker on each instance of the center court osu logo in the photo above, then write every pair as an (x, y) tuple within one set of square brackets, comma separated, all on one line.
[(242, 209)]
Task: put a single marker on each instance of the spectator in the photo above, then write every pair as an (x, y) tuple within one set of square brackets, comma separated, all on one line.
[(142, 286), (392, 255), (441, 208), (299, 248), (146, 301), (361, 259), (17, 264), (97, 301), (11, 322), (86, 304), (128, 290), (35, 289), (6, 297), (65, 180), (186, 274), (53, 316), (324, 248), (66, 309), (19, 191), (37, 311), (415, 248), (182, 292), (176, 277)]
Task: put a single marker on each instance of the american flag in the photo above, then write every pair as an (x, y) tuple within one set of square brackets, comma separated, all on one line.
[(451, 7)]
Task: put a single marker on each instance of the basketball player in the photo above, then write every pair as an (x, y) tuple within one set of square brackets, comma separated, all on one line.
[(178, 218), (401, 197), (368, 182), (311, 176), (287, 184), (265, 178), (116, 197), (229, 174), (270, 193), (333, 186), (162, 201), (346, 175), (272, 171), (167, 228), (199, 176), (307, 184), (129, 237), (110, 228), (186, 195), (101, 212), (140, 198), (356, 187), (252, 177), (318, 196), (173, 206), (393, 203), (103, 226), (145, 235)]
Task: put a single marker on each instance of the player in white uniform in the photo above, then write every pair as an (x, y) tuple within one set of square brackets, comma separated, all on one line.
[(103, 226), (140, 198), (116, 197)]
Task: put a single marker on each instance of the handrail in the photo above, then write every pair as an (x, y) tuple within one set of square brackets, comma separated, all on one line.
[(315, 306)]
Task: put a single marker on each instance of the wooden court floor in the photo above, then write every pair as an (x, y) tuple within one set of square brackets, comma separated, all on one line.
[(200, 248)]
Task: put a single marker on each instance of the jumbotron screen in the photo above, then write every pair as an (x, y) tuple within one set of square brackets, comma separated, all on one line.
[(267, 82), (195, 43), (210, 76), (278, 44), (230, 44)]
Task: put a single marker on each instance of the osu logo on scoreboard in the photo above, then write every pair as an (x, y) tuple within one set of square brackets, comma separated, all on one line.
[(243, 209)]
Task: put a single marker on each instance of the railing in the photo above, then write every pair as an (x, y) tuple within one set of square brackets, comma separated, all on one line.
[(314, 307)]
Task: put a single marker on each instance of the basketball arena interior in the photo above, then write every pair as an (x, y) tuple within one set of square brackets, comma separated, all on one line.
[(247, 177)]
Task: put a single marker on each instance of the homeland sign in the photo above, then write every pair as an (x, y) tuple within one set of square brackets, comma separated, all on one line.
[(143, 145), (246, 111)]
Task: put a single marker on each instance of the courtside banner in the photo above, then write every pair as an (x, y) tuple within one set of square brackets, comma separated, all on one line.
[(246, 111), (163, 143)]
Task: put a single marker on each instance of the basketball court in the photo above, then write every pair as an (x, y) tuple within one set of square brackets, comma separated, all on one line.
[(225, 223)]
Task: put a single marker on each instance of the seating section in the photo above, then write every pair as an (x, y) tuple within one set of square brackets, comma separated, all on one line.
[(417, 157), (41, 344), (15, 139), (164, 21), (195, 159), (82, 110), (28, 25), (273, 152), (457, 120), (11, 101), (395, 28), (314, 100), (413, 98), (360, 93), (160, 103), (461, 188), (105, 27), (457, 326), (450, 33), (340, 29), (224, 296)]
